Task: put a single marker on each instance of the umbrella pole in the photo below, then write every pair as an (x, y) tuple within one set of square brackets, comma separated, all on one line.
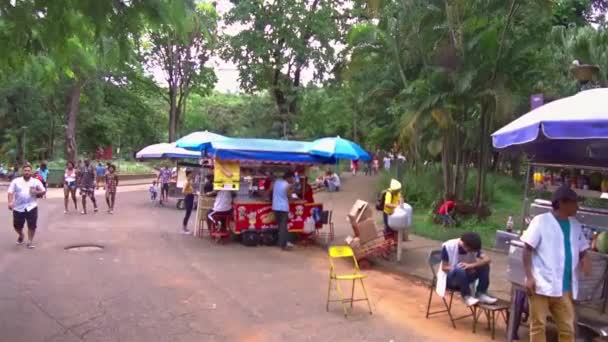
[(199, 227), (524, 211)]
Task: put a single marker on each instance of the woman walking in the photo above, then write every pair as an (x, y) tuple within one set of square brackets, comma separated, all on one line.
[(188, 192), (111, 182), (69, 186)]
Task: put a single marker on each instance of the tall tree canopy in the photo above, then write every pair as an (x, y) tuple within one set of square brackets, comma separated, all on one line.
[(181, 47), (279, 41)]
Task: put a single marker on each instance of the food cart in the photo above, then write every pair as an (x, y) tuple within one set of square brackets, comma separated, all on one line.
[(567, 143), (257, 163)]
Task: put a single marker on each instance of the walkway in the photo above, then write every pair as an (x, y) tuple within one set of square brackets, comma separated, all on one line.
[(151, 283)]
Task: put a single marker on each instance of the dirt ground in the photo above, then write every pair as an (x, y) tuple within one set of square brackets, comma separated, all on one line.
[(151, 283)]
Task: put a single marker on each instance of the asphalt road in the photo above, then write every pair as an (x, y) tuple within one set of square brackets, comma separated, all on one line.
[(151, 283)]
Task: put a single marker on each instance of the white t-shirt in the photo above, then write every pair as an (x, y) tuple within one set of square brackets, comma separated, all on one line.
[(23, 199), (335, 180), (387, 163), (545, 235), (223, 201)]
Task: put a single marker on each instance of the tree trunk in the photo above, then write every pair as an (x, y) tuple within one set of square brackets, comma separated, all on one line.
[(51, 150), (71, 150), (483, 156), (495, 162), (516, 165), (465, 176), (446, 161), (457, 171), (283, 109), (173, 116)]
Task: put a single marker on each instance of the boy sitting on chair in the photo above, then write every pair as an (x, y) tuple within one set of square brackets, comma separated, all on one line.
[(463, 262)]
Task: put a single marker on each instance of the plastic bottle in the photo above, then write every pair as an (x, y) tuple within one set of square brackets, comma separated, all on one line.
[(510, 224)]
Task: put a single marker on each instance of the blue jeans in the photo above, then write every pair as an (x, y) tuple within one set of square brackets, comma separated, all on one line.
[(446, 219), (460, 279), (387, 229), (282, 218)]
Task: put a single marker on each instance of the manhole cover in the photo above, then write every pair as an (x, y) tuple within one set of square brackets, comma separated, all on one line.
[(84, 248)]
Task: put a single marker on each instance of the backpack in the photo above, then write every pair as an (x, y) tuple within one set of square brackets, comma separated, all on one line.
[(380, 200)]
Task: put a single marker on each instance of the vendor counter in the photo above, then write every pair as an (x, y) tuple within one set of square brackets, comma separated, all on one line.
[(258, 214)]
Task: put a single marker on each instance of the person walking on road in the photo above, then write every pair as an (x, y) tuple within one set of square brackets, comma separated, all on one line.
[(111, 185), (86, 182), (69, 186), (188, 191), (43, 171), (100, 171), (554, 253), (23, 193), (164, 178), (281, 193)]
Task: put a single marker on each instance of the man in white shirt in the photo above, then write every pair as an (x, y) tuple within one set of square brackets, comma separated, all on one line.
[(462, 263), (222, 206), (555, 247), (387, 162), (22, 200)]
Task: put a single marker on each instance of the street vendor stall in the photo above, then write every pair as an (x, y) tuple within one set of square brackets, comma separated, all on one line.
[(566, 142), (247, 167)]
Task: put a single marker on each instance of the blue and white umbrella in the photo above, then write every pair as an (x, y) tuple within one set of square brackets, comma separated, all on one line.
[(165, 150), (570, 130), (338, 148), (199, 141)]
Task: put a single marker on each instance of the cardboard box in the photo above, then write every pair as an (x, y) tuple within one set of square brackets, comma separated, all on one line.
[(360, 211), (367, 230)]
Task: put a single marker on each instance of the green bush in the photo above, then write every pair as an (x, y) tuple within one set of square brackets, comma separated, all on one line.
[(419, 190), (504, 196)]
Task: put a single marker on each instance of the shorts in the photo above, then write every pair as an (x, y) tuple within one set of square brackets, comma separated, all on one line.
[(165, 187), (87, 191), (20, 218), (70, 185)]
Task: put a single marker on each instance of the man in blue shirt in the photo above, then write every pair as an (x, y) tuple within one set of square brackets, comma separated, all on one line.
[(100, 170), (281, 192), (43, 171)]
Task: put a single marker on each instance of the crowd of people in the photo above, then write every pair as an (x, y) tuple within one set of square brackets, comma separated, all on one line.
[(372, 166), (25, 190)]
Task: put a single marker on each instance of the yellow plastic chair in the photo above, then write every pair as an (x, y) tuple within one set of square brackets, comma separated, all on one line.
[(337, 252)]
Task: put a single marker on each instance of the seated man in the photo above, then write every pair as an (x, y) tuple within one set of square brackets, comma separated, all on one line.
[(332, 181), (463, 262), (221, 207)]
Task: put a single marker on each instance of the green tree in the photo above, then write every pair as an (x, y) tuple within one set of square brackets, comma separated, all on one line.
[(181, 47), (83, 38), (281, 40)]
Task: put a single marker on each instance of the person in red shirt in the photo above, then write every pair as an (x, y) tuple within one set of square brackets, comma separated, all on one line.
[(446, 210), (308, 192)]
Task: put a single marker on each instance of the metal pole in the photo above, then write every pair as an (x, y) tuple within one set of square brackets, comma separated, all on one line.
[(524, 209), (198, 227)]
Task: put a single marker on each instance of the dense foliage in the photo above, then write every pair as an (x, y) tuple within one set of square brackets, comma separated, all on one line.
[(432, 78)]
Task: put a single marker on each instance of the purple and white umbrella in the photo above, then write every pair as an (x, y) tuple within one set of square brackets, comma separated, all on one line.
[(570, 130)]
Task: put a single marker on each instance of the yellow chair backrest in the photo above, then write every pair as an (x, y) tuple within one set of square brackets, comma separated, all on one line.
[(336, 252), (340, 252)]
